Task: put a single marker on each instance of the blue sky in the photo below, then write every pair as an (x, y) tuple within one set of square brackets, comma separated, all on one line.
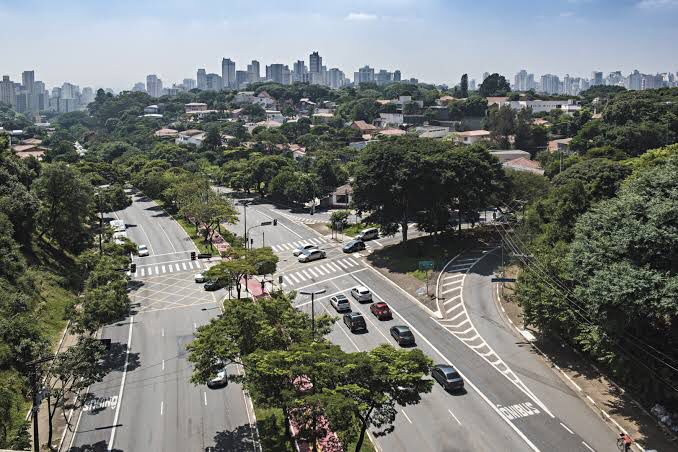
[(116, 43)]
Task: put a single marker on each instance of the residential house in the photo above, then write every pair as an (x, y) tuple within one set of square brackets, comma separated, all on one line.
[(471, 136), (432, 131), (505, 156), (560, 145), (23, 151), (445, 100), (151, 109), (495, 100), (195, 107), (391, 132), (166, 133), (539, 106), (524, 164), (341, 197), (274, 115), (363, 127), (191, 136), (323, 117)]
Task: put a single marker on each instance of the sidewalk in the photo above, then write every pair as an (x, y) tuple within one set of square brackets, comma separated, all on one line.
[(611, 402)]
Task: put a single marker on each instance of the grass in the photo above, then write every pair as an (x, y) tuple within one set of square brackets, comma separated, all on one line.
[(421, 275), (197, 239)]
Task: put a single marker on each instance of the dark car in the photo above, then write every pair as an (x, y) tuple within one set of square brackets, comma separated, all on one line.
[(402, 335), (448, 377), (355, 322), (353, 246), (381, 311), (213, 285)]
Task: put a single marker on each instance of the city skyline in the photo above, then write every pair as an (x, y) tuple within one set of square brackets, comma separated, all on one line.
[(441, 41)]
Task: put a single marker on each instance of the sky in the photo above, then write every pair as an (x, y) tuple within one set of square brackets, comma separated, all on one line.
[(117, 43)]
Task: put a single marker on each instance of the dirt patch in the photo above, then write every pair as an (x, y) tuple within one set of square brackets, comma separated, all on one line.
[(320, 228)]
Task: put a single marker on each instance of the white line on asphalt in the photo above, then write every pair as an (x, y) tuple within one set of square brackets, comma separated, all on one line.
[(452, 289), (163, 332), (163, 364), (335, 268), (156, 270), (455, 417), (314, 273), (177, 267), (306, 274), (406, 416), (205, 397), (317, 299), (195, 327), (460, 324), (342, 264), (183, 264), (300, 276), (591, 400), (333, 278), (571, 380), (352, 261), (147, 238), (163, 269), (292, 278), (162, 404), (567, 428), (168, 239), (448, 310), (327, 269), (588, 447), (297, 234), (457, 316), (122, 385), (470, 383), (141, 272)]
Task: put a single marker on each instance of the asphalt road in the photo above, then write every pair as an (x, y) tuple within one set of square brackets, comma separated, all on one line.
[(146, 403), (513, 400)]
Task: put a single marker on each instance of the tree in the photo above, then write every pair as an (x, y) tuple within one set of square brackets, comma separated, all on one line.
[(66, 202), (502, 123), (72, 372), (241, 264), (463, 86), (494, 85), (294, 186), (208, 214), (329, 172), (341, 217), (372, 385), (213, 139)]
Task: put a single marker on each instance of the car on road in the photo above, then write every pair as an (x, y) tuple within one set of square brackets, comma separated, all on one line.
[(301, 248), (220, 380), (402, 335), (213, 285), (448, 377), (118, 225), (199, 278), (355, 322), (353, 246), (381, 311), (361, 293), (312, 255), (142, 251), (340, 303), (368, 234)]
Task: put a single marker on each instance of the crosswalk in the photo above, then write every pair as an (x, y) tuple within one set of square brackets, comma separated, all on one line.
[(300, 220), (290, 246), (320, 270), (170, 267)]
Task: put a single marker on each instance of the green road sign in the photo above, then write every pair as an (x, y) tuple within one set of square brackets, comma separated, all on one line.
[(425, 265)]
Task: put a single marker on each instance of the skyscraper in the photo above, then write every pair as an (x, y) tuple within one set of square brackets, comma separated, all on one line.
[(8, 91), (188, 83), (202, 79), (27, 80), (596, 78), (228, 73), (278, 73), (485, 75), (300, 72), (364, 75), (397, 76), (214, 82), (550, 84), (253, 72), (240, 79), (140, 87), (153, 85), (335, 78), (315, 63), (523, 81)]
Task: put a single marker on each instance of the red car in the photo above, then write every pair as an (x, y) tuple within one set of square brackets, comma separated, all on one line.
[(381, 311)]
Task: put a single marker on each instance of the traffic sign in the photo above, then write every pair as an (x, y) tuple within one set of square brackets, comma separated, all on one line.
[(425, 265), (503, 279), (266, 223)]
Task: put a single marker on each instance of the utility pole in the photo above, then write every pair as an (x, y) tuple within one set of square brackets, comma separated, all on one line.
[(312, 294)]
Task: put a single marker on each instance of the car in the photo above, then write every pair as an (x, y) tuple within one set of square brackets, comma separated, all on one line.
[(311, 255), (340, 303), (213, 285), (118, 225), (448, 377), (301, 248), (142, 251), (221, 379), (381, 311), (355, 322), (353, 245), (368, 234), (402, 335), (199, 278), (361, 293)]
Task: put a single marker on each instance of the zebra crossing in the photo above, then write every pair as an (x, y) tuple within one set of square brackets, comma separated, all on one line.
[(170, 267), (318, 271), (291, 246), (300, 220)]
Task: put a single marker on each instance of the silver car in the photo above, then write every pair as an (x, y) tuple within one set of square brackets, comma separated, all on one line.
[(300, 249), (312, 255), (361, 293), (142, 250), (340, 303)]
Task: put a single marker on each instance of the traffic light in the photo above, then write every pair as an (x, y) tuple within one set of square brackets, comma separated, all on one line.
[(133, 268), (280, 280), (275, 222), (192, 255), (251, 241)]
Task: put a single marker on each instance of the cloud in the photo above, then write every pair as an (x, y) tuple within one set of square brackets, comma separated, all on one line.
[(657, 4), (361, 17), (567, 14)]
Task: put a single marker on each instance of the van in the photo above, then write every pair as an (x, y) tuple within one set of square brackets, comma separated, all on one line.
[(368, 234)]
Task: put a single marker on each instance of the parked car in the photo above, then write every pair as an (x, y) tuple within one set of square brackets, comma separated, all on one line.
[(355, 322), (368, 234), (213, 285), (448, 377), (361, 293), (142, 250), (300, 249), (311, 255), (402, 335), (199, 278), (353, 246), (118, 225), (381, 311), (220, 380), (340, 303)]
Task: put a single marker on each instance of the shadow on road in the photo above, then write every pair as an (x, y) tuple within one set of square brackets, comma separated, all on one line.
[(101, 446), (238, 440), (117, 356)]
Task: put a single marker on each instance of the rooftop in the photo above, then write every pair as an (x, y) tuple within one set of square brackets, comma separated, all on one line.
[(474, 133)]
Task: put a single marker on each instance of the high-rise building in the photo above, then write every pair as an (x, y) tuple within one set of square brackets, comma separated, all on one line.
[(189, 84), (228, 73), (278, 73), (153, 85), (472, 84), (397, 76), (383, 77), (202, 80), (27, 80), (364, 75), (214, 82), (140, 87), (299, 72), (335, 78), (253, 72), (8, 91), (240, 79), (87, 96), (596, 78), (550, 84), (315, 63), (634, 80)]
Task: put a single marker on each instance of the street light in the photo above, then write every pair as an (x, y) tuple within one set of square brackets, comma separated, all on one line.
[(312, 294), (244, 206), (263, 223)]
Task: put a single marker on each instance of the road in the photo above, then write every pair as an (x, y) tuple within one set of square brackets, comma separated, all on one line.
[(513, 400), (146, 403)]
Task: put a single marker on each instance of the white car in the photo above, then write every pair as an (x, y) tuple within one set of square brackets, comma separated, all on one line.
[(118, 225), (311, 255), (199, 278), (361, 293), (142, 251), (300, 249), (220, 380), (340, 303)]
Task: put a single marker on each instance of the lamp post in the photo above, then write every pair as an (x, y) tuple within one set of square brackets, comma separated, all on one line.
[(312, 294), (244, 206), (263, 223)]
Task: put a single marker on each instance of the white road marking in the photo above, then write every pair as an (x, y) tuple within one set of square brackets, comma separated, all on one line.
[(406, 416), (460, 324), (313, 272), (163, 332), (292, 278), (300, 276), (195, 327), (163, 364), (352, 261), (162, 404), (141, 272), (168, 239), (452, 289), (590, 399), (588, 447), (320, 270), (307, 274), (335, 267), (450, 300), (333, 278), (183, 264), (453, 308), (177, 267), (567, 428), (341, 263), (157, 272), (147, 238), (205, 397), (457, 316), (455, 417), (111, 441), (163, 269)]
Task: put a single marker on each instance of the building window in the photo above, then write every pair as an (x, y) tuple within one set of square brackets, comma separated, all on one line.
[(341, 199)]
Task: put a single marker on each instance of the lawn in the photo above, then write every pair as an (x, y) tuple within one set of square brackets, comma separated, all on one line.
[(197, 239)]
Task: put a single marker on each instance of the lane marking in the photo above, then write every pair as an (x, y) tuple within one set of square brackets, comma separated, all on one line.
[(205, 397), (455, 417), (291, 276), (406, 416), (166, 235), (588, 447), (122, 386), (305, 272), (162, 332), (333, 278), (162, 404), (590, 399), (567, 428), (163, 364)]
